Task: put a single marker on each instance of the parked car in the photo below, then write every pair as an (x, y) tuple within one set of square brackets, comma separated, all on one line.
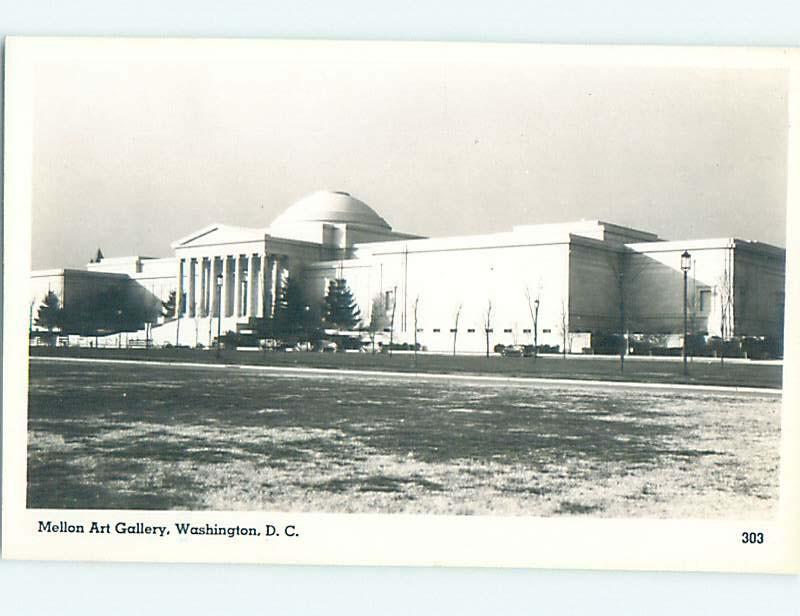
[(329, 347), (513, 350)]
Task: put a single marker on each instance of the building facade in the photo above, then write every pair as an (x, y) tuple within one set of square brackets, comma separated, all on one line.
[(562, 285)]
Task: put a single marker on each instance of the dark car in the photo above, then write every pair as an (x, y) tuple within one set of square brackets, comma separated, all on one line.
[(513, 350)]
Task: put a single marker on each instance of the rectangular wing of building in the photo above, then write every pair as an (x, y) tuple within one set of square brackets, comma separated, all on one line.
[(579, 287)]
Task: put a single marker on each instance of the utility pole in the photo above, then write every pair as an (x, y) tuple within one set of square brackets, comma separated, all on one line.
[(535, 328), (686, 264), (219, 315)]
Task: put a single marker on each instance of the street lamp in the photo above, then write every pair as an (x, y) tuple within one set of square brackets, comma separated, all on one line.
[(535, 328), (245, 291), (686, 264), (219, 314)]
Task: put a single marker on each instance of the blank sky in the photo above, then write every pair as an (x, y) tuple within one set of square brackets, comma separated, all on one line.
[(130, 156)]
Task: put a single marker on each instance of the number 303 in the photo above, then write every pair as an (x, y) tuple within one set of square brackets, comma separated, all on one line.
[(750, 537)]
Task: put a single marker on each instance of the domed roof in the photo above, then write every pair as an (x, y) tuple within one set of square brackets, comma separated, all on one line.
[(331, 206)]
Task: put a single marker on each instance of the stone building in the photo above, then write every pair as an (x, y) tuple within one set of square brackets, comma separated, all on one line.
[(567, 284)]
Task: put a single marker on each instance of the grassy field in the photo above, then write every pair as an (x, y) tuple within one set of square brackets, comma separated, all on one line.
[(144, 436), (701, 371)]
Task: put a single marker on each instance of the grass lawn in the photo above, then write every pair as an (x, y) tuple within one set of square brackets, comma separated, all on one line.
[(150, 436), (701, 371)]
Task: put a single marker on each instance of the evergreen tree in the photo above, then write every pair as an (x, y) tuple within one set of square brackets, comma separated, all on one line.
[(298, 317), (50, 314), (293, 315), (168, 307), (340, 309)]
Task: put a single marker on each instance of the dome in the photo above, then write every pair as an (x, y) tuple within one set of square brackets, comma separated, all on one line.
[(331, 206)]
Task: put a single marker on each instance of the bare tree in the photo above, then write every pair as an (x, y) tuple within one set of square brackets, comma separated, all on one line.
[(725, 294), (391, 325), (533, 309), (455, 327), (178, 309), (563, 328), (692, 315), (196, 325), (416, 308), (487, 321), (619, 262), (625, 273), (378, 318)]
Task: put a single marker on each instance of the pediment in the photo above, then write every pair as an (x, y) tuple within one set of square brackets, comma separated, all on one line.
[(216, 234)]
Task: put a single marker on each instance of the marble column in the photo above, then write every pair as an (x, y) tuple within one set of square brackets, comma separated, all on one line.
[(192, 286), (258, 290), (203, 288), (237, 286), (251, 284), (226, 286), (179, 291), (210, 286), (215, 288), (262, 283), (198, 293)]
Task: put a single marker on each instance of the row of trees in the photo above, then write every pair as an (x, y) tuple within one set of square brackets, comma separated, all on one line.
[(533, 300), (295, 317), (114, 310), (341, 312)]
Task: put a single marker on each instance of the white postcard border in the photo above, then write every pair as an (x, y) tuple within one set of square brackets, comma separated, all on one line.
[(379, 539)]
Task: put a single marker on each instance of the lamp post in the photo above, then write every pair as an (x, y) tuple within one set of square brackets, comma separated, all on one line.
[(535, 328), (245, 291), (219, 314), (686, 264)]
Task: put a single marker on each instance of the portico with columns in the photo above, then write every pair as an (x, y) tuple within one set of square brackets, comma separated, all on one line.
[(232, 274)]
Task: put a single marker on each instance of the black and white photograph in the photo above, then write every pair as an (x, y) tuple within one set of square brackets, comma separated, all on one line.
[(410, 280)]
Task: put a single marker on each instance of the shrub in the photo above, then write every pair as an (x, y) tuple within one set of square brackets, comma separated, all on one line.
[(606, 344)]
